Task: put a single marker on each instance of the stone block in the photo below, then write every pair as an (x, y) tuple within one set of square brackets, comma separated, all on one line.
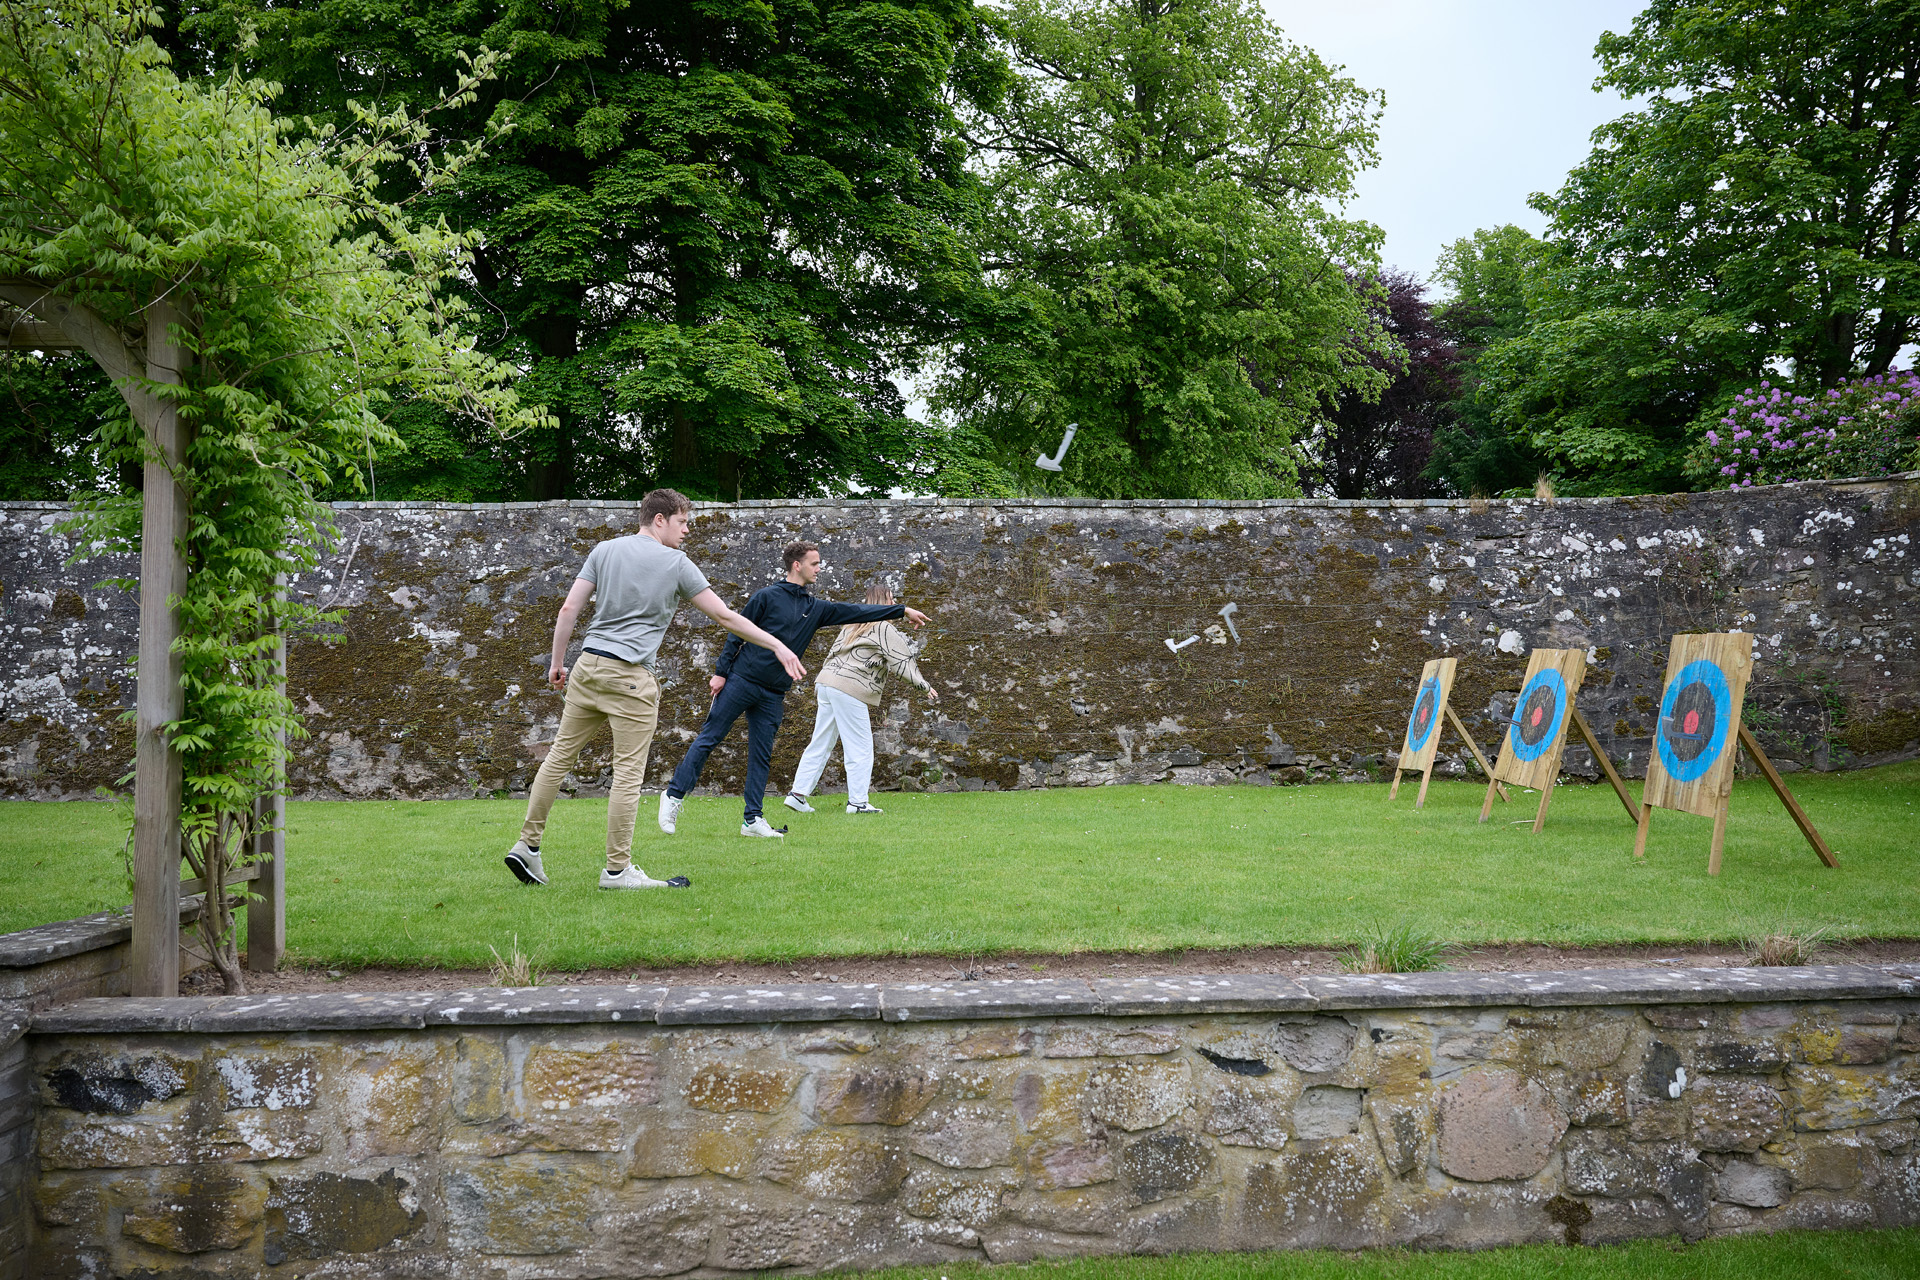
[(1661, 1073), (1908, 1039), (323, 1215), (1740, 1057), (613, 1076), (842, 1040), (814, 1002), (722, 1088), (972, 1200), (836, 1164), (1828, 1166), (272, 1081), (1599, 1162), (1634, 1218), (1138, 1095), (1105, 1042), (876, 1095), (545, 1006), (1404, 1125), (395, 1101), (994, 998), (196, 1209), (1051, 1104), (1836, 1097), (1327, 1111), (1735, 1115), (1315, 1195), (68, 1140), (478, 1079), (1497, 1124), (1166, 1163), (1096, 1210), (1316, 1047), (1186, 1225), (683, 1147), (1598, 1101), (520, 1206), (1059, 1165), (70, 1200), (1661, 1121), (1757, 1186), (1193, 994), (1681, 1017), (546, 1131), (1009, 1041), (660, 1234), (965, 1136), (1249, 1114), (1863, 1046), (98, 1084)]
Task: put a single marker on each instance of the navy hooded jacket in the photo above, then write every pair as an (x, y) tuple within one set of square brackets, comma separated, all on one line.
[(792, 614)]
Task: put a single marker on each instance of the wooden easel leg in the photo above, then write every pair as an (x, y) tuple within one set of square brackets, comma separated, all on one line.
[(1546, 794), (1613, 776), (1474, 747), (1640, 835), (1487, 807), (1421, 799), (1719, 836), (1394, 790), (1779, 786)]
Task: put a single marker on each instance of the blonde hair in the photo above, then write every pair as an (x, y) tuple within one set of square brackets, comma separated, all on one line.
[(876, 594)]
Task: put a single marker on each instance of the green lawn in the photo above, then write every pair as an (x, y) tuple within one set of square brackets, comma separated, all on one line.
[(1802, 1255), (1116, 868)]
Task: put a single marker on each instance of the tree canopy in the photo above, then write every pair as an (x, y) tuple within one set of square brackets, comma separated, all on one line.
[(1168, 275)]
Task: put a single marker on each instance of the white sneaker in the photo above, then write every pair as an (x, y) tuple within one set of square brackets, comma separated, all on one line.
[(669, 810), (797, 802), (759, 827), (863, 808), (525, 863), (634, 878)]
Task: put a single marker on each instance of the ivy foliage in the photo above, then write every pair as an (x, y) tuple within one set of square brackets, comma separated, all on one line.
[(303, 299), (1168, 274), (716, 237)]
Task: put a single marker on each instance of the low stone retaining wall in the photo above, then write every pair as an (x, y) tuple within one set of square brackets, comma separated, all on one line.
[(651, 1131)]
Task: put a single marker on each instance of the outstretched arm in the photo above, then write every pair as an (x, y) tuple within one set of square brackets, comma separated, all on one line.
[(563, 630), (711, 605), (840, 615), (898, 653)]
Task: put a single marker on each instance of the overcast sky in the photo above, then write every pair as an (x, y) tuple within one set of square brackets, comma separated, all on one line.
[(1488, 101)]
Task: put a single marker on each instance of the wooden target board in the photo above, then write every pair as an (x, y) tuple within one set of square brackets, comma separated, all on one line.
[(1696, 736), (1422, 741), (1537, 735), (1691, 765)]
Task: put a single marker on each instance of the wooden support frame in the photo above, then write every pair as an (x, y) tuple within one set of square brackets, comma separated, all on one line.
[(267, 907), (1613, 774)]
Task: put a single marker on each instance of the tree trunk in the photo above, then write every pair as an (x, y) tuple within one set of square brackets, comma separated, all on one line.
[(550, 479)]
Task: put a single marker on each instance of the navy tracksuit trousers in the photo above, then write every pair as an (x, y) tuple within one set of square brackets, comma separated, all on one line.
[(764, 710)]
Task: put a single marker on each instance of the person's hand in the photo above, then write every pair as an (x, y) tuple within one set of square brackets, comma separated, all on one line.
[(557, 677), (717, 683), (791, 662), (933, 695), (916, 617)]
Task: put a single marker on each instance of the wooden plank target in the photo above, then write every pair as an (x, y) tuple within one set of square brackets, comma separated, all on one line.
[(1537, 733), (1422, 740), (1691, 765)]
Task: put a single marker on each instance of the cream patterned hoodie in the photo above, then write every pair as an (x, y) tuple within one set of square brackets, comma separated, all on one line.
[(859, 666)]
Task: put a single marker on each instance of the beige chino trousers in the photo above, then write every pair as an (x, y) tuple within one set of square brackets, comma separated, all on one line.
[(601, 691)]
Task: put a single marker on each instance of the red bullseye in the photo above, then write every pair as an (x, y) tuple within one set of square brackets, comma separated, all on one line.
[(1691, 725), (1538, 713)]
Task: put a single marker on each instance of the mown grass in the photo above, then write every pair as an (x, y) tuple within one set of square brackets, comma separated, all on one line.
[(1803, 1255), (1116, 868)]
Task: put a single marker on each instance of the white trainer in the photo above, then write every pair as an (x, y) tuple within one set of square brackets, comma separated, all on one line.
[(525, 863), (759, 827), (797, 802), (634, 878), (669, 810), (863, 808)]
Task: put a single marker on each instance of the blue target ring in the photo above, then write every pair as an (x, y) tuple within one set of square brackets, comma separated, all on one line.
[(1425, 712), (1547, 693), (1696, 714)]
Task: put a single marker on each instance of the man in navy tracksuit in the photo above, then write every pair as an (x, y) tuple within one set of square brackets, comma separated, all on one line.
[(746, 681)]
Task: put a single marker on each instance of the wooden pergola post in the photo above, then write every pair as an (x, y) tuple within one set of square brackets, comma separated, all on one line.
[(267, 909)]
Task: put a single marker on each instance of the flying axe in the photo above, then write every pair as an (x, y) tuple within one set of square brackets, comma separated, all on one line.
[(1226, 616), (1053, 464)]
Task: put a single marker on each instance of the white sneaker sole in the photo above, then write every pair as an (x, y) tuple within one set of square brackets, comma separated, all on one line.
[(798, 806)]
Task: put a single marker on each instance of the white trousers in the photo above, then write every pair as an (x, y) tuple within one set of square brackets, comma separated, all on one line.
[(841, 718)]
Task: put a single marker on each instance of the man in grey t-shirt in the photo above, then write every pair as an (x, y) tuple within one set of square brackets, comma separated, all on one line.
[(638, 583)]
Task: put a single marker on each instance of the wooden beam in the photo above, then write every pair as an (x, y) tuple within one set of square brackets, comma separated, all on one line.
[(159, 698), (1779, 785), (1593, 745), (1474, 747), (21, 331)]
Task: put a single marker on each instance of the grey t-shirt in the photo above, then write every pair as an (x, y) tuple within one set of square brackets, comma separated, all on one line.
[(638, 585)]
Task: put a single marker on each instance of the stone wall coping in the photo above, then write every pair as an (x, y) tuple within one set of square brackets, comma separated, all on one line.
[(999, 998), (48, 942), (1139, 504)]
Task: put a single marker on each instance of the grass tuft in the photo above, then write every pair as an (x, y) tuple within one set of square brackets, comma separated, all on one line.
[(516, 969), (1787, 947), (1399, 947)]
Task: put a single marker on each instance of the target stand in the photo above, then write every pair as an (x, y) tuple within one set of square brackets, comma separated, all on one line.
[(1422, 742), (1537, 736), (1691, 766)]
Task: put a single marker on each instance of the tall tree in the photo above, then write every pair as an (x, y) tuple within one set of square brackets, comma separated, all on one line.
[(1170, 277), (716, 232), (1757, 207), (1376, 445)]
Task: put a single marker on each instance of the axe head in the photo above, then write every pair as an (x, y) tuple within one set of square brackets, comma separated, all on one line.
[(1230, 608), (1046, 464)]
